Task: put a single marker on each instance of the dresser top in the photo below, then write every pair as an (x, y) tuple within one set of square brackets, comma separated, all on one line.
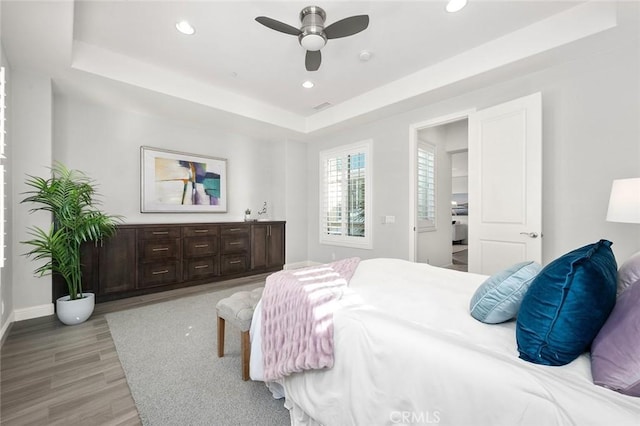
[(236, 223)]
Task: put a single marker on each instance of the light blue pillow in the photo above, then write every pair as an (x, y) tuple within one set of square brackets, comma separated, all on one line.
[(498, 299)]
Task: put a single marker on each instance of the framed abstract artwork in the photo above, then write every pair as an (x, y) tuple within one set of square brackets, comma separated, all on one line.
[(179, 182)]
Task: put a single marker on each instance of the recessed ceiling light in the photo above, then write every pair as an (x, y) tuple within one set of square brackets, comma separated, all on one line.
[(185, 28), (456, 5), (308, 84)]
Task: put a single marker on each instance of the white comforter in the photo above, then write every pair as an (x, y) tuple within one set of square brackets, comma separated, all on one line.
[(408, 352)]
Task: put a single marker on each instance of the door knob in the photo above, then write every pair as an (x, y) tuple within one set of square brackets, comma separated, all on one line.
[(530, 234)]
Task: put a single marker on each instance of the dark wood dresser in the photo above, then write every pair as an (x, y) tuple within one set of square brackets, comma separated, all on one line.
[(147, 258)]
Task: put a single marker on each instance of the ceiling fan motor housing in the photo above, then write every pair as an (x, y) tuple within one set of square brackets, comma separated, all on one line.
[(312, 37)]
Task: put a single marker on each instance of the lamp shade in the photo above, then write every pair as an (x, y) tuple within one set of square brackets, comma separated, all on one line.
[(624, 203)]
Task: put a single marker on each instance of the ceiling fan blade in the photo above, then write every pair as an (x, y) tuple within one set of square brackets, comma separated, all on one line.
[(278, 26), (347, 26), (312, 60)]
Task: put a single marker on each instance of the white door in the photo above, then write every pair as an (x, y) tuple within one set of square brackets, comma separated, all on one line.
[(505, 185)]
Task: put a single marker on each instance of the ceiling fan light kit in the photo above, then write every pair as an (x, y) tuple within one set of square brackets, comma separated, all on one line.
[(313, 42), (313, 35)]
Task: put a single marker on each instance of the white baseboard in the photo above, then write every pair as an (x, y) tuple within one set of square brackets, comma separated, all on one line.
[(33, 312), (6, 326)]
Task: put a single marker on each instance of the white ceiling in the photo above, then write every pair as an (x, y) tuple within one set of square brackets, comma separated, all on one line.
[(231, 50), (129, 52)]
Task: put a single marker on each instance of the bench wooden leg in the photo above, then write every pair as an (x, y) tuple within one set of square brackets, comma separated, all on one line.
[(246, 354), (220, 337)]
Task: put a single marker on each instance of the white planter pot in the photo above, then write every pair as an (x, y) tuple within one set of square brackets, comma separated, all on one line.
[(72, 312)]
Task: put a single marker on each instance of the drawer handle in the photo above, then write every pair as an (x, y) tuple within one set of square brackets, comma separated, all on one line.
[(235, 243), (201, 267), (164, 271), (160, 232), (233, 262), (161, 249), (234, 229), (201, 231), (201, 245)]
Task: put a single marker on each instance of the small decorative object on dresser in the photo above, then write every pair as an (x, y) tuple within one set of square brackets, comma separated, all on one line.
[(263, 211), (69, 195)]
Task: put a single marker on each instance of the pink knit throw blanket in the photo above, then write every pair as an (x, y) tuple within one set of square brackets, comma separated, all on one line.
[(297, 317)]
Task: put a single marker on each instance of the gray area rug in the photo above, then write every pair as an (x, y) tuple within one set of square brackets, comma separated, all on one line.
[(169, 355)]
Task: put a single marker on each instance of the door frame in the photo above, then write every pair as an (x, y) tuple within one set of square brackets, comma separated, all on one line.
[(413, 147)]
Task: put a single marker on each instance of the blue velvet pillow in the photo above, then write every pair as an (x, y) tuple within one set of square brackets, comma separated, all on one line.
[(499, 297), (566, 305)]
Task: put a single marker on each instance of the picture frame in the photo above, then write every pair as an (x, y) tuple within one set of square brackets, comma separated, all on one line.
[(180, 182)]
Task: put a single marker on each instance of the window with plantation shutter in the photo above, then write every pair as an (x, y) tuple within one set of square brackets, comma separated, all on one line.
[(345, 188), (426, 186)]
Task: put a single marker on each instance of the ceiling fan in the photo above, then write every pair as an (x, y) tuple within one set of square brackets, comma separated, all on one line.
[(313, 35)]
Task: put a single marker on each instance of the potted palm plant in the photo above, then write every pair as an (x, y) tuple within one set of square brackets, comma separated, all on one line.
[(70, 197)]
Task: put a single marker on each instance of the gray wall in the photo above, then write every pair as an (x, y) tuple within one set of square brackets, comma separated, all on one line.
[(105, 143), (590, 137), (590, 131), (434, 247), (6, 281), (30, 149), (295, 180)]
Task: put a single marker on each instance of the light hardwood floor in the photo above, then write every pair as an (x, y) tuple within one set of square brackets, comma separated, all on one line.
[(52, 374)]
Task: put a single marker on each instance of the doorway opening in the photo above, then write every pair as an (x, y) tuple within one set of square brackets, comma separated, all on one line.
[(504, 187), (460, 205), (445, 243)]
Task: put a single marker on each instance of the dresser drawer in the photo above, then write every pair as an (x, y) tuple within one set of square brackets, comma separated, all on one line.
[(230, 230), (200, 231), (201, 268), (160, 232), (159, 249), (161, 273), (199, 246), (233, 263), (234, 244)]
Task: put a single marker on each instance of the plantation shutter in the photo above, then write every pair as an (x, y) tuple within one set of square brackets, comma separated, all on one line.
[(426, 185), (344, 205)]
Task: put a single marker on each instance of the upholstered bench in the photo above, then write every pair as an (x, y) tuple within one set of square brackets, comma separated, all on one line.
[(237, 309)]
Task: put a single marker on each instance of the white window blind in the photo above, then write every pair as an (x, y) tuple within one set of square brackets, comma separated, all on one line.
[(345, 196), (426, 185)]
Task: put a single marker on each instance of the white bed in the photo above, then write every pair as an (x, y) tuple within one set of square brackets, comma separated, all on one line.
[(407, 351)]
